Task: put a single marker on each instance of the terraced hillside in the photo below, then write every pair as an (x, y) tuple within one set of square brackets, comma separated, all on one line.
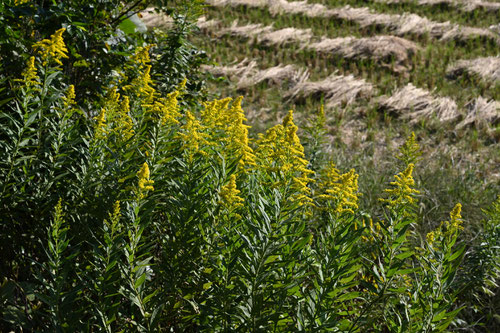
[(382, 68)]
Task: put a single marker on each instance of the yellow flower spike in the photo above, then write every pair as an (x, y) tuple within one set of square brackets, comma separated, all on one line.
[(192, 135), (30, 74), (456, 218), (145, 184), (124, 124), (53, 48), (100, 130), (69, 98), (402, 193), (340, 189), (410, 152), (280, 152), (141, 55), (229, 195)]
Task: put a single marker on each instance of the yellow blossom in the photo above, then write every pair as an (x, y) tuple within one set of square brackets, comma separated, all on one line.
[(447, 228), (69, 98), (30, 75), (100, 130), (227, 127), (341, 189), (402, 192), (280, 153), (124, 124), (167, 108), (192, 135), (409, 152), (145, 184), (20, 2), (141, 55), (229, 195), (53, 48)]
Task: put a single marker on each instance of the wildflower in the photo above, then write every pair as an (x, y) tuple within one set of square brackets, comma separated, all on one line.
[(20, 2), (141, 55), (280, 153), (30, 75), (69, 98), (456, 218), (447, 228), (145, 184), (167, 108), (341, 189), (229, 195), (114, 219), (192, 135), (143, 86), (409, 152), (402, 193), (124, 124), (53, 48), (100, 130), (227, 126)]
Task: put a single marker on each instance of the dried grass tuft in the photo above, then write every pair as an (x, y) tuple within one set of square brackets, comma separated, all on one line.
[(487, 68), (383, 49), (465, 5), (245, 31), (246, 74), (481, 114), (415, 105), (285, 36), (236, 3), (277, 75), (238, 70), (336, 89)]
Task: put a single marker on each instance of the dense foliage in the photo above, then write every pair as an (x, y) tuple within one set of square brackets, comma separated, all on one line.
[(148, 216), (139, 211)]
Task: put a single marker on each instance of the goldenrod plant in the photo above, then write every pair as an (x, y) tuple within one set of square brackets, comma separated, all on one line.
[(170, 217)]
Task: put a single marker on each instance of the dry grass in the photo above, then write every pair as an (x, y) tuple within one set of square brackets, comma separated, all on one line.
[(277, 75), (238, 70), (336, 89), (285, 36), (245, 31), (487, 68), (415, 104), (246, 74), (383, 49), (235, 3), (481, 114), (465, 5), (397, 24)]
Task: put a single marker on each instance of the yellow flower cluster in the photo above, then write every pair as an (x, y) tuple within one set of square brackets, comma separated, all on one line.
[(30, 74), (340, 189), (192, 135), (100, 129), (167, 108), (115, 117), (447, 228), (402, 193), (229, 195), (410, 152), (280, 152), (230, 122), (53, 48), (20, 2), (69, 98), (145, 184)]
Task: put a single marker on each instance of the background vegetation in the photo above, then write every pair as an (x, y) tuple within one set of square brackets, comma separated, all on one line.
[(133, 199)]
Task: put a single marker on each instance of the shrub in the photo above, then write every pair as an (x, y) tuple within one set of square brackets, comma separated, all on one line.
[(144, 214)]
